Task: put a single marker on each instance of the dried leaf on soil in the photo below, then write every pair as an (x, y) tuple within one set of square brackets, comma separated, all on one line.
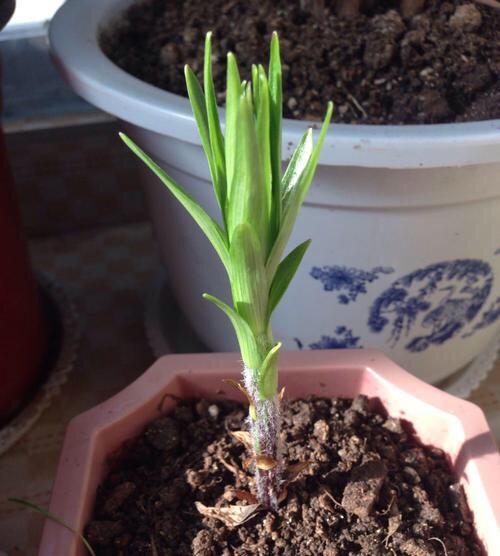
[(245, 496), (235, 384), (247, 463), (281, 395), (231, 516), (235, 470), (393, 526), (243, 437), (295, 469), (282, 497)]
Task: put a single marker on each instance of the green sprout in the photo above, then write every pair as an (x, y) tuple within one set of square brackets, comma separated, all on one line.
[(259, 207)]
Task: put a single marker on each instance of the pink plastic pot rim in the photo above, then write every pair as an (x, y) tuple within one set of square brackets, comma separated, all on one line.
[(359, 367)]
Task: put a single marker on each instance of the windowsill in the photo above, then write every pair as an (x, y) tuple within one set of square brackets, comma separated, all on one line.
[(56, 121), (34, 95), (24, 31)]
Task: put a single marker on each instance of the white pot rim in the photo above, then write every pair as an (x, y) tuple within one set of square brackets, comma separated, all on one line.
[(74, 44)]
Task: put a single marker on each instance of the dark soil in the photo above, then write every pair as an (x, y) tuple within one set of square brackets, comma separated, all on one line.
[(370, 490), (442, 65)]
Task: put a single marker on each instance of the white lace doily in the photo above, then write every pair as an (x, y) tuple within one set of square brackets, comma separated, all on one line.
[(58, 374), (167, 332), (476, 371)]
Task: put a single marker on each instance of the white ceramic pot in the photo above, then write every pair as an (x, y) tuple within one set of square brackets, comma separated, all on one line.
[(405, 220)]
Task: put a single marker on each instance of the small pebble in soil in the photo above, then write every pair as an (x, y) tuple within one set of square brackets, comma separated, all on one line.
[(467, 18)]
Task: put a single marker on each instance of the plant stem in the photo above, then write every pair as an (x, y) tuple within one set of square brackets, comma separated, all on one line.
[(265, 431)]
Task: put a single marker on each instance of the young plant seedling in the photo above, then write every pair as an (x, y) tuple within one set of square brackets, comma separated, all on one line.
[(258, 208)]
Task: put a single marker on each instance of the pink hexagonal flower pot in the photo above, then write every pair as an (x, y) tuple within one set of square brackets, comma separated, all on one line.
[(456, 426)]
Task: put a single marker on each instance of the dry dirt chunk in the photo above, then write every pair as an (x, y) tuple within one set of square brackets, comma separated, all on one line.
[(102, 533), (476, 80), (163, 435), (434, 105), (409, 8), (428, 513), (460, 507), (414, 547), (380, 46), (467, 18), (118, 497), (363, 488), (203, 543), (321, 430), (393, 425), (416, 458), (360, 404), (171, 494), (379, 52), (389, 24)]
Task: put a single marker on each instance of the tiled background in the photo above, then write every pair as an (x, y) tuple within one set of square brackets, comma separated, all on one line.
[(74, 178), (107, 273), (84, 214)]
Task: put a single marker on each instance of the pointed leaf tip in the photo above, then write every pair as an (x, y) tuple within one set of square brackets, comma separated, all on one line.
[(284, 275), (211, 229), (329, 109), (246, 339), (268, 374)]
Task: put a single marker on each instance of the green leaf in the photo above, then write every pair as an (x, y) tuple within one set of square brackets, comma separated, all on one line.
[(296, 198), (296, 166), (248, 201), (255, 87), (268, 374), (276, 116), (212, 230), (233, 92), (248, 345), (48, 515), (248, 278), (263, 138), (216, 137), (198, 105), (284, 275)]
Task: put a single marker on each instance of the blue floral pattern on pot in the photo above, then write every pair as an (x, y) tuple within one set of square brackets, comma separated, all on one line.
[(350, 282), (490, 316), (444, 297), (344, 338)]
